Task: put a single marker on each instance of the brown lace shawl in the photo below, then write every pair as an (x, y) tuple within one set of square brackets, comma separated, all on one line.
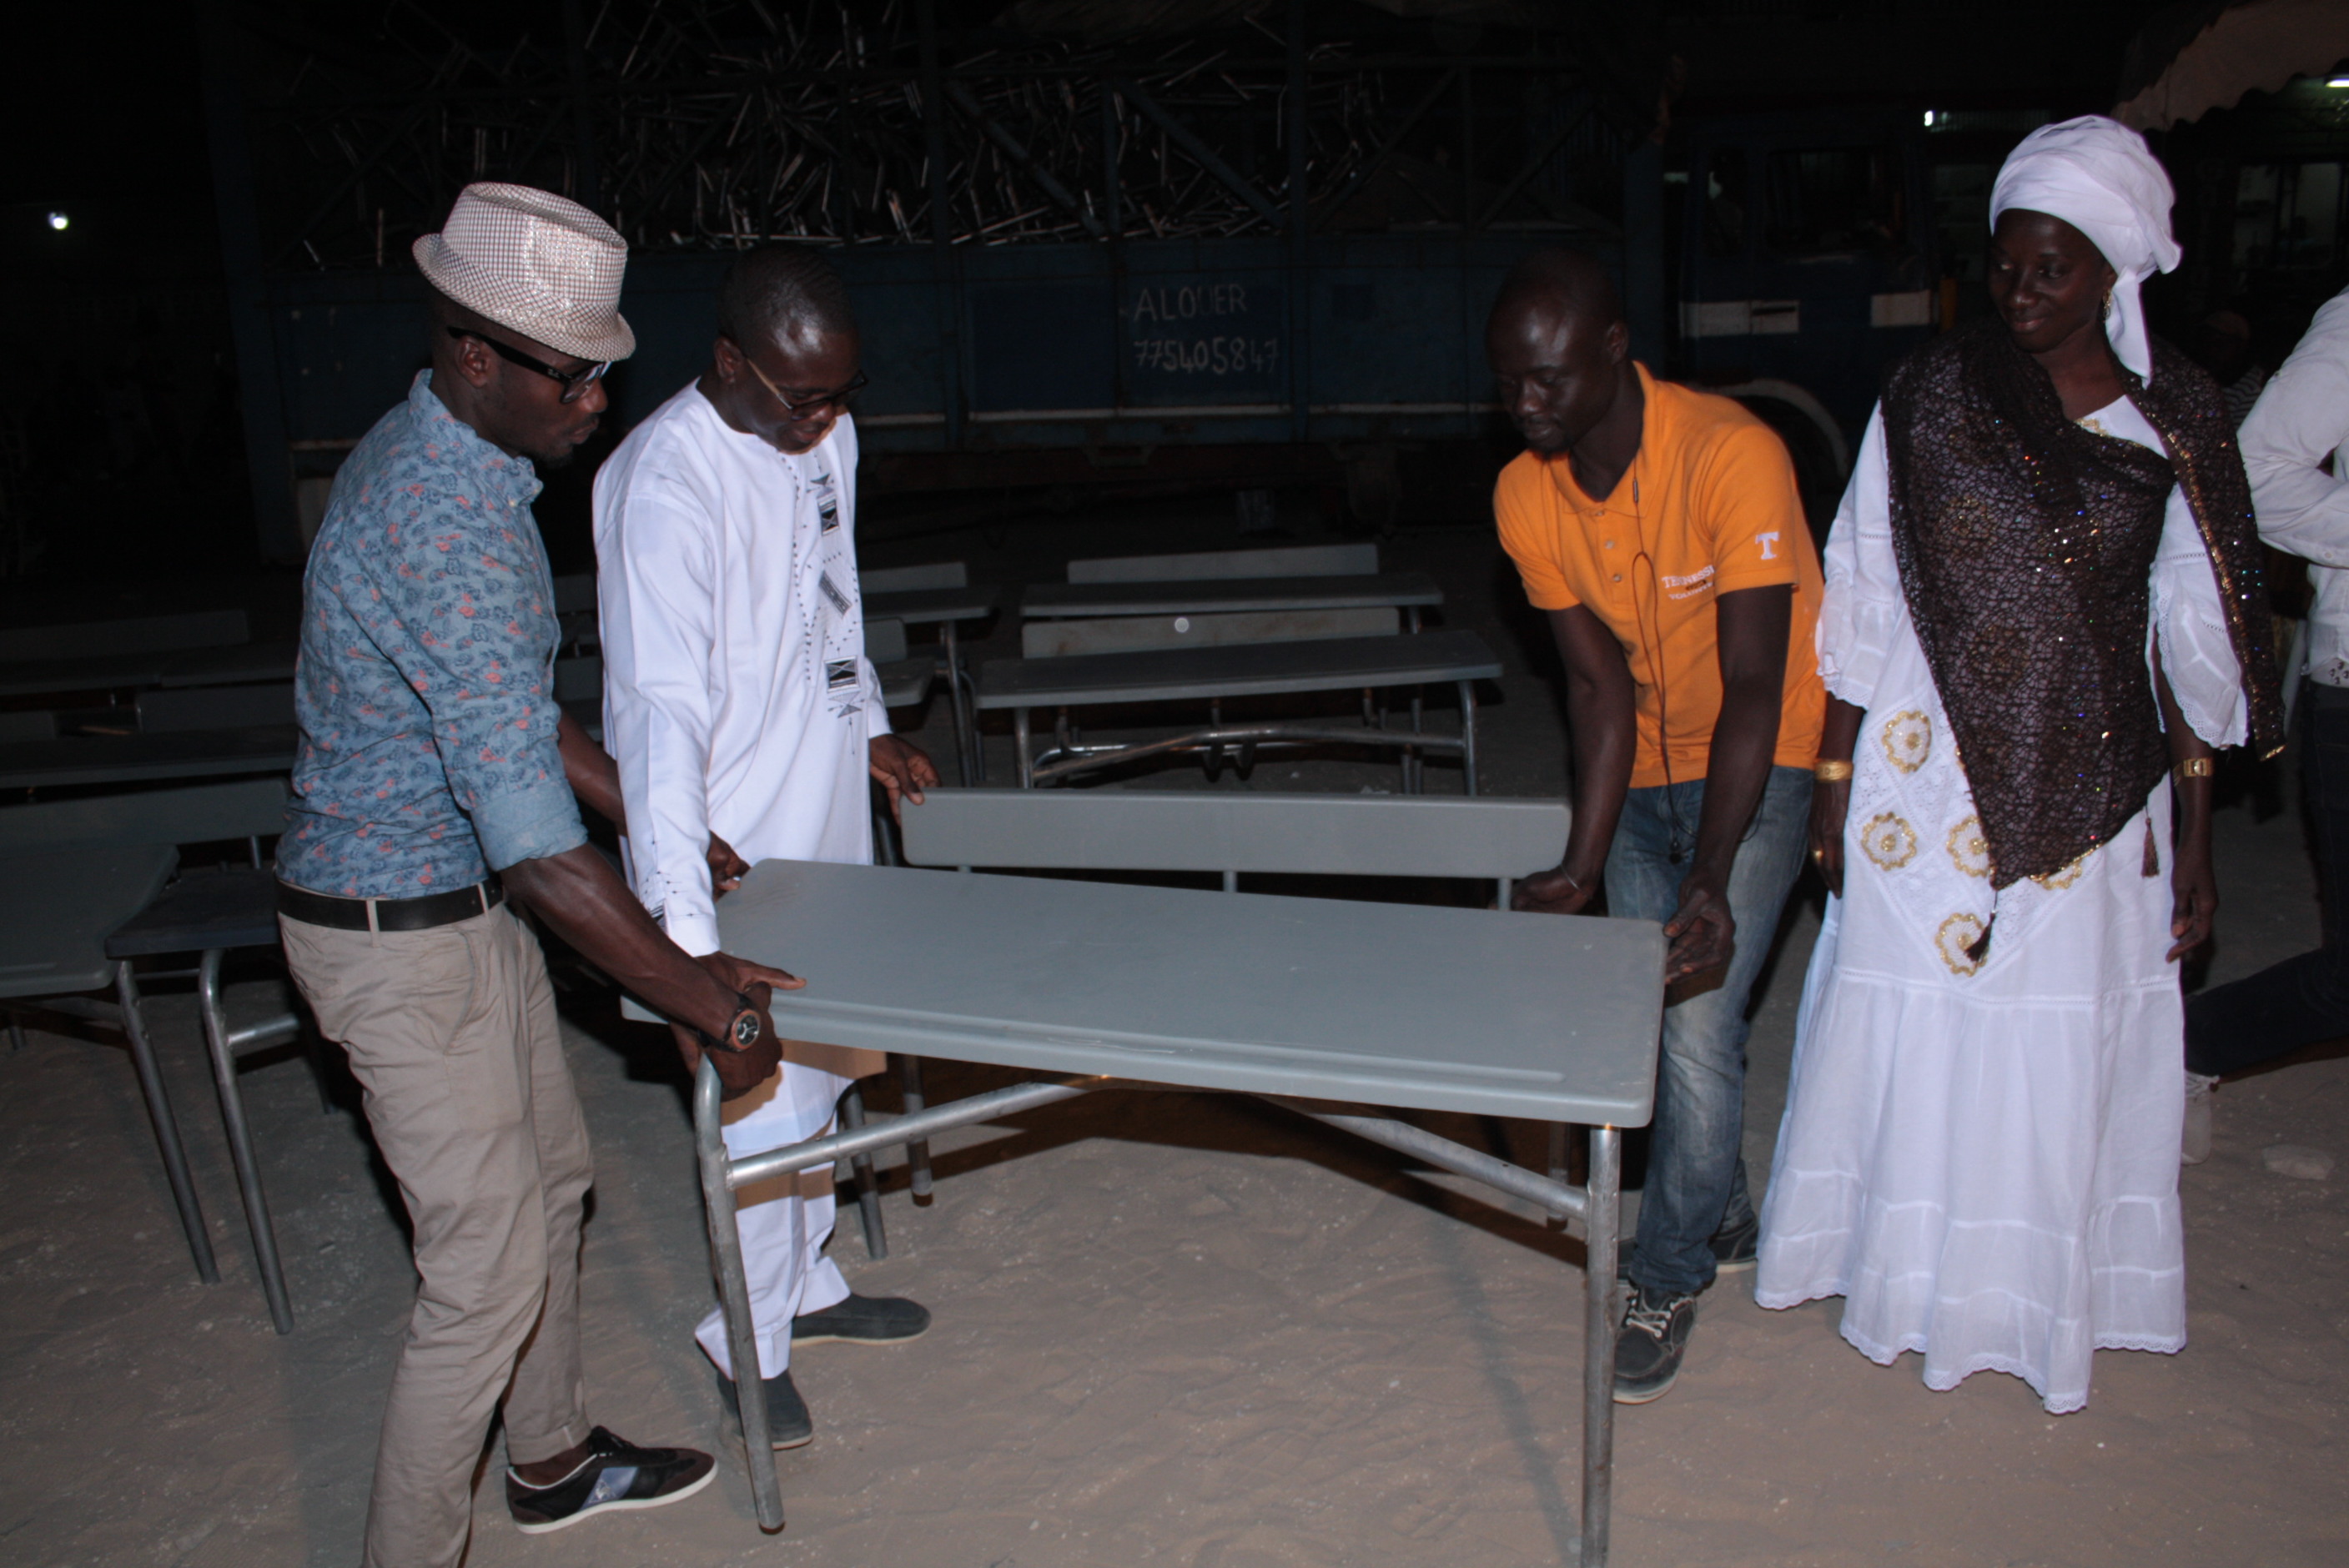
[(2026, 544)]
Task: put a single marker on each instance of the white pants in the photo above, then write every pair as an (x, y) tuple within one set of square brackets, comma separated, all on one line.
[(783, 1232)]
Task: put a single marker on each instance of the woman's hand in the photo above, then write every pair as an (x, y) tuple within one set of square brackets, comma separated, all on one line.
[(2194, 895), (1830, 805)]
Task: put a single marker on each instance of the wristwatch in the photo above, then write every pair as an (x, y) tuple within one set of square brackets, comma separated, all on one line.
[(742, 1030)]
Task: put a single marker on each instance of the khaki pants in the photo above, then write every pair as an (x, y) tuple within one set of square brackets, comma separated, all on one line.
[(452, 1034)]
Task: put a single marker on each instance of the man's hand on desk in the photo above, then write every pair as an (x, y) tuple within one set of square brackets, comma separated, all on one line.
[(726, 867), (1553, 893), (740, 1071), (904, 769)]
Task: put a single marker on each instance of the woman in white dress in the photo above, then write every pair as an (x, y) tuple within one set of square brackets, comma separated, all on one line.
[(2043, 606)]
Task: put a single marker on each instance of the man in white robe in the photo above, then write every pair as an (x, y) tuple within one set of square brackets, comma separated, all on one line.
[(738, 700)]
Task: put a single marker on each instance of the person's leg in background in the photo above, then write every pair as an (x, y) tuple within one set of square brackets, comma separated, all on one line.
[(2303, 999), (1696, 1188)]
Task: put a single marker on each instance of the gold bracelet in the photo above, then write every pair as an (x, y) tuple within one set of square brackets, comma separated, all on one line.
[(2194, 767), (1828, 772)]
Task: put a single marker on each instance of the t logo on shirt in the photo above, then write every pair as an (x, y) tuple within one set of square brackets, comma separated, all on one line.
[(1768, 542)]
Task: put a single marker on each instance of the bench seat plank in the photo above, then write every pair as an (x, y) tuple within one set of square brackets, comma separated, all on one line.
[(1243, 669), (129, 758), (1069, 599), (924, 605)]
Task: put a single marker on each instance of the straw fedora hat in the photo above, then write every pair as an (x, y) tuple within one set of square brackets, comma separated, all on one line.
[(529, 260)]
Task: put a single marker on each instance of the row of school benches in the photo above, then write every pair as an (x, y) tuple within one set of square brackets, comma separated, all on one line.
[(92, 887)]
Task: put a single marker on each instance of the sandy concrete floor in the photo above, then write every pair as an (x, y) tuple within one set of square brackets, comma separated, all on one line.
[(1171, 1328)]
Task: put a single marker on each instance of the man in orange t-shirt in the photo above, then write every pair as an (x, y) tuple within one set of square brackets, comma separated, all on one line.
[(1661, 530)]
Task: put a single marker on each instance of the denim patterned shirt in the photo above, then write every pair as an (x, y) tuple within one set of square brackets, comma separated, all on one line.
[(426, 685)]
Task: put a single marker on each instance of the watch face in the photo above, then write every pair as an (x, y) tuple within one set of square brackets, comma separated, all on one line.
[(746, 1029)]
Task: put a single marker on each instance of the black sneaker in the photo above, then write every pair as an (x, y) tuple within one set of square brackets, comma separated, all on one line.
[(864, 1320), (615, 1475), (789, 1425), (1737, 1248), (1647, 1353)]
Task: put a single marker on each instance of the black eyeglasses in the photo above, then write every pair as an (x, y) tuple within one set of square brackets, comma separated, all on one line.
[(806, 407), (574, 382)]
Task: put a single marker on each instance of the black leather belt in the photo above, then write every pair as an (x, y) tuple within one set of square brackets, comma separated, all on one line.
[(390, 913)]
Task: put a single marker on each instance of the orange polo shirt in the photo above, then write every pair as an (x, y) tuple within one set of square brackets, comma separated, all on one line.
[(1708, 507)]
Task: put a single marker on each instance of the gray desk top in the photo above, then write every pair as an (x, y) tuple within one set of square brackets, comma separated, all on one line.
[(924, 604), (232, 666), (1058, 601), (1551, 1017), (127, 759), (1237, 669), (60, 906)]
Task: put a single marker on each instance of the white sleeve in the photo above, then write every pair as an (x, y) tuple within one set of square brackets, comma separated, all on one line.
[(656, 581), (2302, 418), (2190, 623), (1863, 612)]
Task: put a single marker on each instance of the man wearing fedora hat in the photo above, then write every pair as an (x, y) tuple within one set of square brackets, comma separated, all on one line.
[(436, 776)]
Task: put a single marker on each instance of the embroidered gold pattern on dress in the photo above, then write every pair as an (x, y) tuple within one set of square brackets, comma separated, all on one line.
[(1887, 840), (2056, 881), (1959, 933), (1907, 739), (1969, 851)]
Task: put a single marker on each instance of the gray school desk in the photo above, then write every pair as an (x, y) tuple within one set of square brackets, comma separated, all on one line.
[(1240, 669), (1300, 1001), (945, 608)]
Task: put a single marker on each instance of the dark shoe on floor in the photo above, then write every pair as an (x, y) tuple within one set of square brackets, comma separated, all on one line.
[(1654, 1338), (864, 1320), (1737, 1249), (615, 1475), (789, 1425)]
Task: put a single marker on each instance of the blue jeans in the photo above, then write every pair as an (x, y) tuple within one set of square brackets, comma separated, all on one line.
[(1696, 1166)]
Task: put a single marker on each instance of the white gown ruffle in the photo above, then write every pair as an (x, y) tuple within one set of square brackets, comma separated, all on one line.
[(1982, 1158)]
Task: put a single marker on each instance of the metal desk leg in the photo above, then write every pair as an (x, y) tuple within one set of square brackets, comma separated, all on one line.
[(734, 1296), (918, 1152), (1605, 1189), (1469, 733), (868, 1196), (167, 1126), (961, 711), (239, 1140), (1027, 763)]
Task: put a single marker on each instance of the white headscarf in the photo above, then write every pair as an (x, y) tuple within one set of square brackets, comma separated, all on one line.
[(2095, 174)]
